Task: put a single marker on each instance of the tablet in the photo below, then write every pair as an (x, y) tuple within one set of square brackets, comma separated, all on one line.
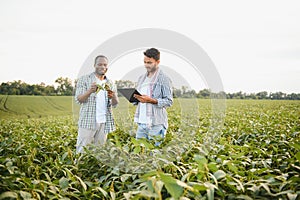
[(128, 94)]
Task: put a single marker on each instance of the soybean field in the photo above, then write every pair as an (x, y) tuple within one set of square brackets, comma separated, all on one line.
[(254, 154)]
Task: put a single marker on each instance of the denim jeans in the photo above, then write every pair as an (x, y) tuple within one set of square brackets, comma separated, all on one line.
[(156, 133)]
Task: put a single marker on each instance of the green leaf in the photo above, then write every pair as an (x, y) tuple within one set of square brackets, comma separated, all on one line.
[(219, 174), (199, 187), (266, 187), (200, 159), (212, 166), (124, 177), (158, 186), (244, 197), (149, 174), (232, 167), (25, 195), (296, 145), (105, 194), (210, 190), (146, 144), (174, 189), (146, 193), (47, 176), (63, 183), (292, 196), (171, 185), (184, 185), (240, 185), (298, 156), (8, 195), (82, 183), (137, 149), (149, 183), (112, 195)]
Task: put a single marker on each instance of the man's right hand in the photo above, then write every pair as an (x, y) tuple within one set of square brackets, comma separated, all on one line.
[(83, 97), (93, 88)]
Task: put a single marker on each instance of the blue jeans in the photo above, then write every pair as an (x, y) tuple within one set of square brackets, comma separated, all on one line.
[(156, 133)]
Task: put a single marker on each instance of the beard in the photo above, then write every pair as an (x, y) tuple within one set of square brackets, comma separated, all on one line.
[(151, 69)]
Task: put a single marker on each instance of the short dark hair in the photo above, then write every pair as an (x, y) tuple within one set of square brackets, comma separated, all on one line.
[(100, 56), (152, 53)]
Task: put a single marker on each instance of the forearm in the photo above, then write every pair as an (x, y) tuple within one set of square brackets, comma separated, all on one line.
[(152, 100), (114, 100), (83, 97), (145, 99)]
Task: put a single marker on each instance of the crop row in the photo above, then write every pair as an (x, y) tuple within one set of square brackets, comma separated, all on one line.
[(256, 156)]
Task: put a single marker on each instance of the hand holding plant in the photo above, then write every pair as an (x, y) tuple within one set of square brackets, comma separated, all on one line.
[(107, 86)]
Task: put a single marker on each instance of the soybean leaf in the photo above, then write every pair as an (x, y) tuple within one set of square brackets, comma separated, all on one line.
[(12, 195), (219, 174), (171, 185), (63, 183), (298, 156)]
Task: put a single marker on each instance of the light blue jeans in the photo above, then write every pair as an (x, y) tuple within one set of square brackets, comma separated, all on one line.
[(156, 133)]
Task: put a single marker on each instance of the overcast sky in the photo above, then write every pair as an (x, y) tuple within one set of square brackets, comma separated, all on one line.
[(254, 45)]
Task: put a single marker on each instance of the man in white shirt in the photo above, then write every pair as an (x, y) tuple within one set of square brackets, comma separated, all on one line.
[(155, 87), (97, 95)]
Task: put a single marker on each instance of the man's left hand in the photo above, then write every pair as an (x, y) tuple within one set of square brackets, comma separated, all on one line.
[(145, 99), (110, 93)]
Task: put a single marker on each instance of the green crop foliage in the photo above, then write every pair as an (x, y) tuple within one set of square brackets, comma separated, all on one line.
[(257, 155)]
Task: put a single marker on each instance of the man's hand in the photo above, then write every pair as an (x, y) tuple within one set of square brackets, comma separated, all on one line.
[(93, 88), (83, 97), (113, 96), (110, 93), (145, 99)]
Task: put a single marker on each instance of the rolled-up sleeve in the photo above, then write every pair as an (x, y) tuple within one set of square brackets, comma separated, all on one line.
[(165, 98), (80, 89)]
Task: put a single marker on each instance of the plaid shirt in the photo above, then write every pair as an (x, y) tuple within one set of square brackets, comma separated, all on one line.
[(163, 93), (87, 114)]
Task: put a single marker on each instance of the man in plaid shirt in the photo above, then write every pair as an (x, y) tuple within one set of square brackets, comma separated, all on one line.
[(97, 95)]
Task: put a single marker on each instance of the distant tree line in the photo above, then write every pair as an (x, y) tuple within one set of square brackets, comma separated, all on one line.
[(65, 87), (206, 93)]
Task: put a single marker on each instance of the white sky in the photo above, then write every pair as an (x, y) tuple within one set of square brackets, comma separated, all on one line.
[(255, 45)]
